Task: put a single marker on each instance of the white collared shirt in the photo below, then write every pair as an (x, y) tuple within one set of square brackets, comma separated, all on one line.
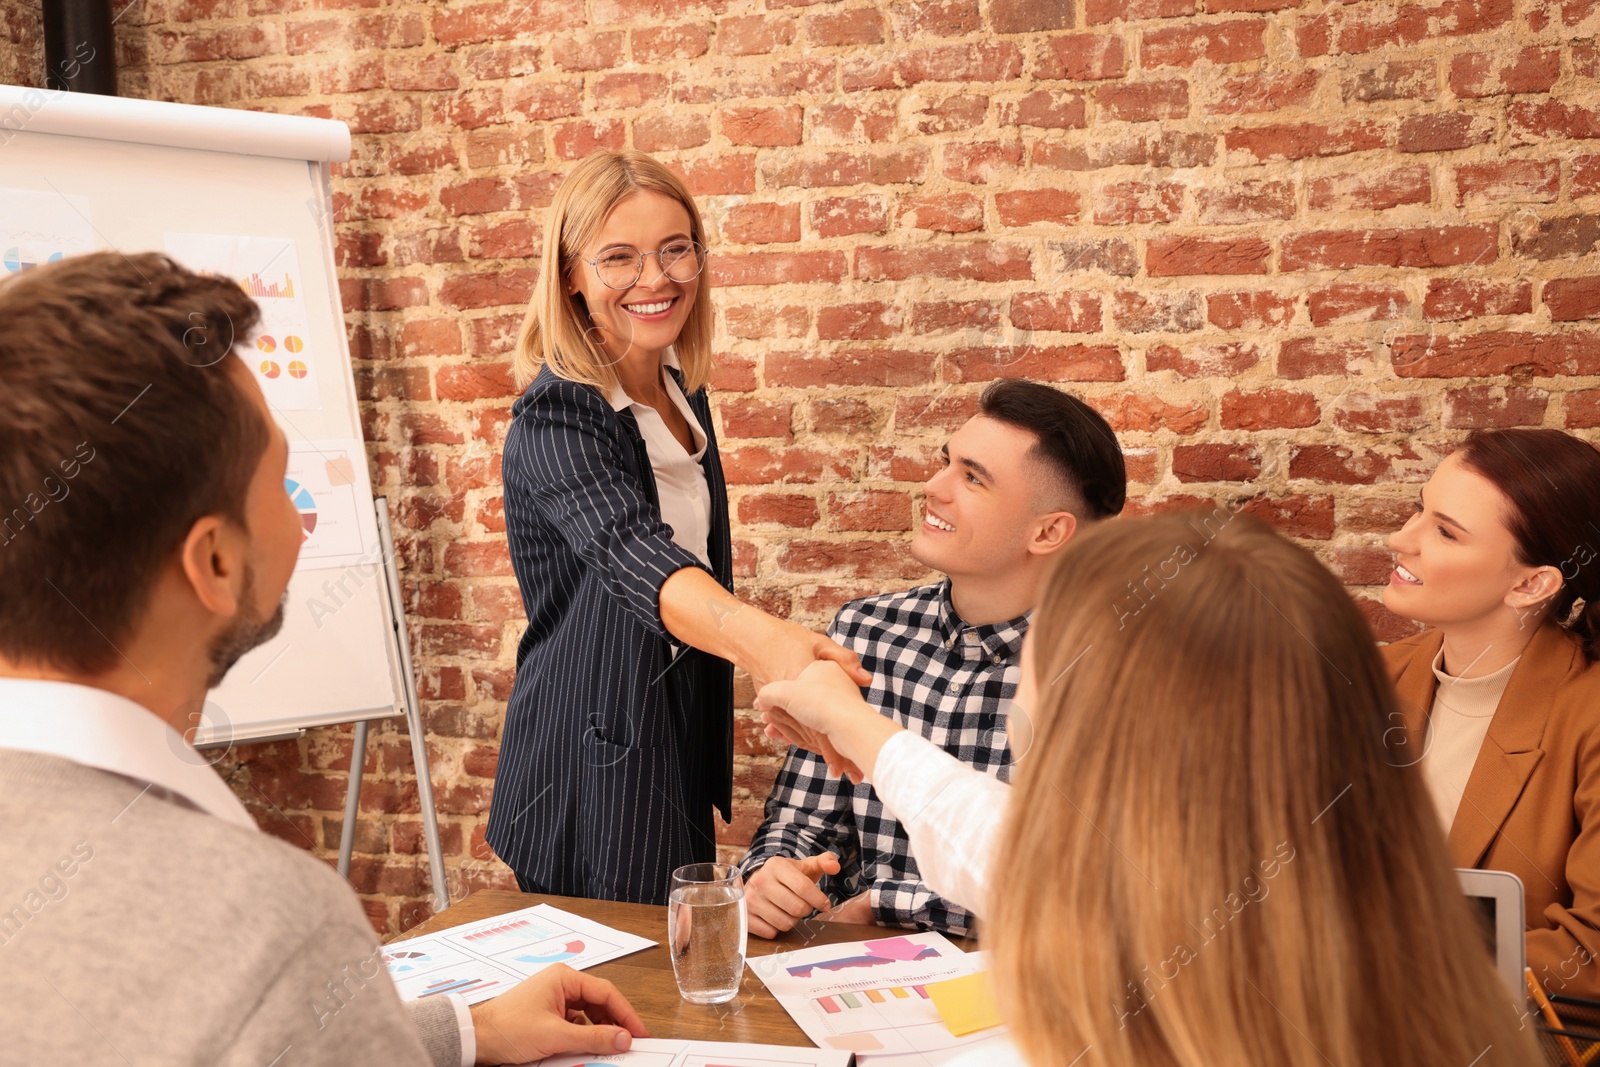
[(681, 482), (99, 729)]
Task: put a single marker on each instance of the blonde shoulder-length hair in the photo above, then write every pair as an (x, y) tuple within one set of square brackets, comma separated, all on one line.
[(556, 330), (1217, 852)]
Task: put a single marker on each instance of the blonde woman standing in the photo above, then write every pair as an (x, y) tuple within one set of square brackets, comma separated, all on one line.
[(618, 737), (1213, 851)]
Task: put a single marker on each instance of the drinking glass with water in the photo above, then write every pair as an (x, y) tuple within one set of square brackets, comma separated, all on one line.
[(706, 923)]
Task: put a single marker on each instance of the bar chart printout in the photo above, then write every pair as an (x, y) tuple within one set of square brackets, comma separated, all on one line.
[(647, 1052), (281, 350), (871, 997), (481, 960)]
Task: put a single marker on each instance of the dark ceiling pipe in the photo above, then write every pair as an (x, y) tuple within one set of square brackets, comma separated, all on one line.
[(79, 55)]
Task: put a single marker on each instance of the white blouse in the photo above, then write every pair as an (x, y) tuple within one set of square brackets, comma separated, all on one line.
[(680, 480), (951, 812)]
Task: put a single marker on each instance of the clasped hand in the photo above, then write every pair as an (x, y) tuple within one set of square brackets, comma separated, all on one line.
[(785, 650), (808, 711)]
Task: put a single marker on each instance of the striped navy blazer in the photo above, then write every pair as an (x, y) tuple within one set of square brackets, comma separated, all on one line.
[(614, 752)]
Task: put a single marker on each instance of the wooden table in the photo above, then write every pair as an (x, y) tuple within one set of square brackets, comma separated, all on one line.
[(645, 978)]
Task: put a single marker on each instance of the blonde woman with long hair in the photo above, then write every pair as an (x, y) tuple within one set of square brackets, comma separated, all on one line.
[(1213, 851), (618, 742)]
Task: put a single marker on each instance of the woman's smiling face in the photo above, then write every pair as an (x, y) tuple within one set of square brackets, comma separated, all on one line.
[(649, 314), (1455, 559)]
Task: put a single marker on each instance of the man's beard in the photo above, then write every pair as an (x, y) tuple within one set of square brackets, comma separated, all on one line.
[(247, 630)]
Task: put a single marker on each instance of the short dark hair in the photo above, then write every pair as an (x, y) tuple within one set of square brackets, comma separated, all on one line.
[(1552, 480), (120, 427), (1075, 443)]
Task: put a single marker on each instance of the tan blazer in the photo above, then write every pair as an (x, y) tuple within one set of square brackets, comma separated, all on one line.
[(1532, 801)]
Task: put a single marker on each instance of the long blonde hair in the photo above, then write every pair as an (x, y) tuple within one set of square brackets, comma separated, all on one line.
[(1219, 856), (555, 329)]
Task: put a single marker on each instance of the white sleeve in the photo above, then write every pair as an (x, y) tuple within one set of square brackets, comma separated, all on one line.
[(469, 1031), (951, 812)]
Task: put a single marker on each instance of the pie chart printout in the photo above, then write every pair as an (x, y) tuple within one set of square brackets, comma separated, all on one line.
[(305, 504), (401, 962), (501, 951), (321, 480), (267, 268), (17, 261), (39, 226)]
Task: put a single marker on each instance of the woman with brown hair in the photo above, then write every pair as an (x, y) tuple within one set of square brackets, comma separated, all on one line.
[(618, 741), (1212, 852), (1500, 698)]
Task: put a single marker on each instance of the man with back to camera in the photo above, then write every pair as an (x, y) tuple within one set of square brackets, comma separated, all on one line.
[(1020, 478), (147, 544)]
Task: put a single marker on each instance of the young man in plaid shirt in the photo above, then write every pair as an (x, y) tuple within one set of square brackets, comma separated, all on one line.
[(1020, 478)]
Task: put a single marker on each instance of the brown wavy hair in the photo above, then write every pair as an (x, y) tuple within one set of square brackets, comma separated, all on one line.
[(1218, 857)]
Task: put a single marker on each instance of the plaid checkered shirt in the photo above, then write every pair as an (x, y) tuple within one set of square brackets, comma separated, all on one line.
[(935, 675)]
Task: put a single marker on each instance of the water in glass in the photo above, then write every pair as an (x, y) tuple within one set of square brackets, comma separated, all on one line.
[(706, 924)]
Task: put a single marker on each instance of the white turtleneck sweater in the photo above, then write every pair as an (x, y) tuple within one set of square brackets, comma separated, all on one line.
[(1457, 725)]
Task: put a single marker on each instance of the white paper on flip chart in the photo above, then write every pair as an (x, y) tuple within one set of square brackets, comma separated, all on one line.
[(281, 351), (327, 482), (483, 959), (39, 227)]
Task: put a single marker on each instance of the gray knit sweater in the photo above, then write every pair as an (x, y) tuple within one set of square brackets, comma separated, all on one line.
[(136, 929)]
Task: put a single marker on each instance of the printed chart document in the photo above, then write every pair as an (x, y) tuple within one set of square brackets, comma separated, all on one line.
[(647, 1052), (871, 997), (322, 479), (40, 226), (481, 960), (268, 268)]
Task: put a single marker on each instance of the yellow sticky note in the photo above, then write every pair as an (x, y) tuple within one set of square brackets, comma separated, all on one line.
[(966, 1004)]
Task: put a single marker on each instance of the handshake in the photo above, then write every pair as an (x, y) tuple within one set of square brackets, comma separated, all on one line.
[(822, 711), (803, 676)]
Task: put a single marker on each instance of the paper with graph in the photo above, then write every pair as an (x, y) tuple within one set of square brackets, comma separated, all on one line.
[(481, 960), (41, 226), (871, 997), (280, 350), (647, 1052), (325, 480)]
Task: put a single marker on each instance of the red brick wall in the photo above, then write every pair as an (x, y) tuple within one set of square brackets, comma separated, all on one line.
[(21, 43), (1291, 249)]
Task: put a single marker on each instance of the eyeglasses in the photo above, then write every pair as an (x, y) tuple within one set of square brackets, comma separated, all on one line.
[(620, 268)]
